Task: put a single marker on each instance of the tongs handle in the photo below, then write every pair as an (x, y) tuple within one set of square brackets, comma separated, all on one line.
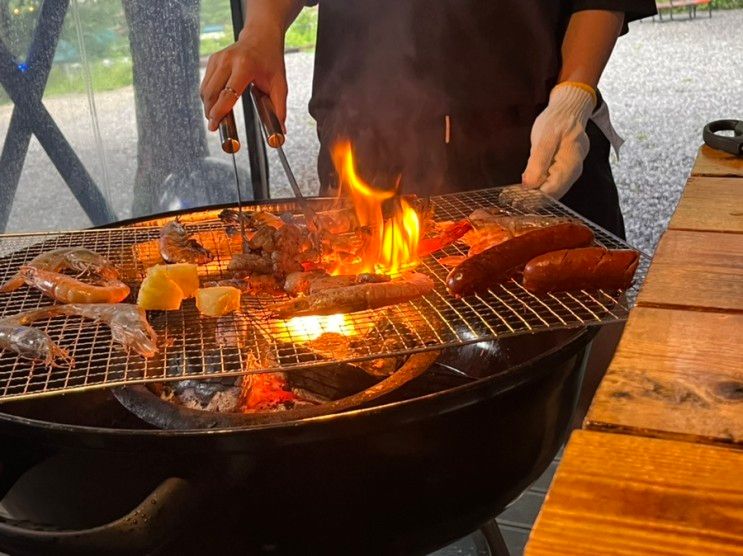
[(228, 134), (271, 124)]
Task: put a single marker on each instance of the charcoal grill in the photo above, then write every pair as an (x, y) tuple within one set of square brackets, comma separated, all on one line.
[(433, 322), (402, 474)]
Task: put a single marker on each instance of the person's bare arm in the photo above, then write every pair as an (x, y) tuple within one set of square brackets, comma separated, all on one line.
[(257, 57), (588, 42)]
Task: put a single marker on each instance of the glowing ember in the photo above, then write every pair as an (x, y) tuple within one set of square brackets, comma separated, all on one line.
[(393, 244), (306, 329)]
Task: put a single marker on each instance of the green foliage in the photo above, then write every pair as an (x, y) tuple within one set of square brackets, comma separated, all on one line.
[(105, 36), (303, 31), (105, 76), (208, 46), (215, 12), (301, 35)]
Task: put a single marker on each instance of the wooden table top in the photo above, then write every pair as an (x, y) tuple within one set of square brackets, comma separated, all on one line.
[(710, 204), (710, 162), (621, 494), (659, 466), (676, 374), (696, 270)]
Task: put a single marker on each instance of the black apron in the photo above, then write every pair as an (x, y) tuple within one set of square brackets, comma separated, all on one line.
[(442, 94)]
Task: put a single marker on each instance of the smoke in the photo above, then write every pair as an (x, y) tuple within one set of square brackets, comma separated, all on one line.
[(382, 96), (390, 74)]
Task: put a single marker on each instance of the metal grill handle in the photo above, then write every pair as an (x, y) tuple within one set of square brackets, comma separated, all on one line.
[(140, 531)]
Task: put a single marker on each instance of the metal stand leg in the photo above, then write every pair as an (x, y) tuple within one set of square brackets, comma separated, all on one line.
[(493, 536)]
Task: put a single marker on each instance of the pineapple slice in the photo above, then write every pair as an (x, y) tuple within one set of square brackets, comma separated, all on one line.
[(217, 301), (159, 292), (186, 275)]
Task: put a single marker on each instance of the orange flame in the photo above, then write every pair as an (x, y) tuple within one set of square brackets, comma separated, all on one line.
[(391, 247), (393, 243)]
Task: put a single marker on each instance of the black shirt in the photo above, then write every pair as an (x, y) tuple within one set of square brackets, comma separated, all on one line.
[(389, 71)]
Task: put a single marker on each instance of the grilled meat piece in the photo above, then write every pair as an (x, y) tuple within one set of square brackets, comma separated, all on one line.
[(317, 280), (590, 268), (500, 262), (251, 263), (359, 297)]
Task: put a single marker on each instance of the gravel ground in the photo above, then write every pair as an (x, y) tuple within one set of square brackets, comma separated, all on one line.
[(664, 82)]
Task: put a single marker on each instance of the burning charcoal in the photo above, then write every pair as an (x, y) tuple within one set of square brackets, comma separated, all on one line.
[(219, 395), (193, 363)]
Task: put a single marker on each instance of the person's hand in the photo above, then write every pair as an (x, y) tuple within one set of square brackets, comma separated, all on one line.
[(257, 57), (559, 143)]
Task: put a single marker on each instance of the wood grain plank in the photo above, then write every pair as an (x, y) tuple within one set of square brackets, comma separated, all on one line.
[(700, 270), (700, 248), (675, 374), (619, 494), (693, 286), (710, 204), (711, 162)]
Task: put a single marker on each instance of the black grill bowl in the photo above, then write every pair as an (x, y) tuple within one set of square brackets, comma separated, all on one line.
[(401, 477)]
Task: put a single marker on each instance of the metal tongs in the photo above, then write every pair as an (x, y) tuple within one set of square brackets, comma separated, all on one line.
[(274, 135)]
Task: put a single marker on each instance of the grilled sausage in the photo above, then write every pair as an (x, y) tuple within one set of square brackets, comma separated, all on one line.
[(590, 268), (500, 262)]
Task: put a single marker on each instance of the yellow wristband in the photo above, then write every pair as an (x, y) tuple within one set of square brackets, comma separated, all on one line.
[(587, 88)]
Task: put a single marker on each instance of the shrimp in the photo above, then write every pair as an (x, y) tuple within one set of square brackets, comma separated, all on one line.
[(79, 259), (68, 289), (30, 343), (359, 297), (176, 245), (449, 235), (128, 322)]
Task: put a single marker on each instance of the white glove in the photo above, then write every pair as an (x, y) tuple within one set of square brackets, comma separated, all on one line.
[(559, 143)]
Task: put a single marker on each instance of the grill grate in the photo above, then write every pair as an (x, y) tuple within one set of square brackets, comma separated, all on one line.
[(189, 345)]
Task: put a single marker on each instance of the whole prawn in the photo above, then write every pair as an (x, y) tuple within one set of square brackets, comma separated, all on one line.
[(176, 245), (31, 343), (128, 322), (68, 289), (79, 259)]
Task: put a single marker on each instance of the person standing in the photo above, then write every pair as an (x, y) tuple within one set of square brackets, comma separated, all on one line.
[(449, 95)]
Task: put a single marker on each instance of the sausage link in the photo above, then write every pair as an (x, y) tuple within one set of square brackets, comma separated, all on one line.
[(590, 268), (500, 262)]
